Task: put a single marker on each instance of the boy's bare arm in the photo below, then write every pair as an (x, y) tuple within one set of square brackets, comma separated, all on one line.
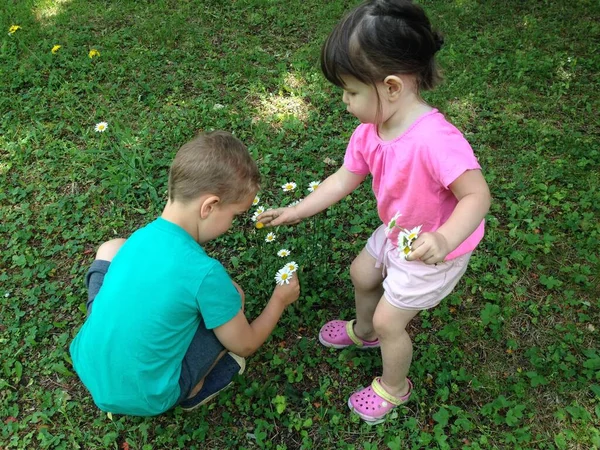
[(331, 191), (243, 338)]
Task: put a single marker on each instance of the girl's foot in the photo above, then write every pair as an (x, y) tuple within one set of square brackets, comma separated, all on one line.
[(373, 403), (340, 334)]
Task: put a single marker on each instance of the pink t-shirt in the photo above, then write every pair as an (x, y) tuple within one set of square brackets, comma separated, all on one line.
[(411, 173)]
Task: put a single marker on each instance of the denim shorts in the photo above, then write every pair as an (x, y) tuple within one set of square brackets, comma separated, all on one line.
[(200, 356)]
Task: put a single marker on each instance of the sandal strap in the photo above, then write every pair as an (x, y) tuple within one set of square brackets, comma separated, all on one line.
[(350, 332), (379, 390)]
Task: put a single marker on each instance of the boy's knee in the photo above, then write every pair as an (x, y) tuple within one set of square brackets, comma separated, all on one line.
[(109, 249)]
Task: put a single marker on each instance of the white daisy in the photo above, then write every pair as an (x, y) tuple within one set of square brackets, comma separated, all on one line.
[(292, 266), (100, 127), (313, 185), (270, 237), (289, 186), (392, 223), (256, 201), (414, 233), (258, 212), (404, 251), (283, 276), (283, 253), (295, 202)]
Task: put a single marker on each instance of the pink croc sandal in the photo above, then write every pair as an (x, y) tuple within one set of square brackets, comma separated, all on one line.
[(373, 403), (340, 334)]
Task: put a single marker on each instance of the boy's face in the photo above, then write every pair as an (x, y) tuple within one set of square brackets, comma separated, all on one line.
[(222, 216)]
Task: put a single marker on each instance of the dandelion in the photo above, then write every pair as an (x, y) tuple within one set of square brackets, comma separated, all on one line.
[(292, 266), (283, 253), (270, 237), (101, 127), (93, 53), (256, 201), (283, 276), (313, 185), (392, 223), (13, 29), (56, 48), (289, 186), (259, 225)]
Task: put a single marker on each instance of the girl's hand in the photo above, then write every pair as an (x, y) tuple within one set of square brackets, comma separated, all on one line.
[(430, 248), (279, 216)]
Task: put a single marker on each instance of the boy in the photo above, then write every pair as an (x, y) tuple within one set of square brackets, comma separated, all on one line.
[(162, 315)]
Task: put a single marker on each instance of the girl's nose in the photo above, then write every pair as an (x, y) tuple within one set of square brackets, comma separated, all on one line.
[(345, 98)]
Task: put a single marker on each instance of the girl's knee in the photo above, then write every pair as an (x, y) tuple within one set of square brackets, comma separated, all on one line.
[(364, 280), (109, 249)]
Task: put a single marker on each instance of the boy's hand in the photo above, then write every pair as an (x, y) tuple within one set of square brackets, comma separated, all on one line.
[(279, 216), (288, 293), (431, 248)]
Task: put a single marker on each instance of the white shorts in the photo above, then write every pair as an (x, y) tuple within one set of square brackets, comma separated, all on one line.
[(413, 284)]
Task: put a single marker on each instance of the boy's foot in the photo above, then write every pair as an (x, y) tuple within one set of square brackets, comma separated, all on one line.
[(340, 334), (216, 381), (373, 403)]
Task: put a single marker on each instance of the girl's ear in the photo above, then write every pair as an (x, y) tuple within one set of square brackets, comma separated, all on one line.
[(208, 205), (394, 86)]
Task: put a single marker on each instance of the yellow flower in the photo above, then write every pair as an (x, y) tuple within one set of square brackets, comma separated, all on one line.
[(13, 29), (259, 225), (93, 53), (55, 48)]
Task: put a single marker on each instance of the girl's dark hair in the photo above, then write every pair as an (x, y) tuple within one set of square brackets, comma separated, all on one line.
[(381, 38)]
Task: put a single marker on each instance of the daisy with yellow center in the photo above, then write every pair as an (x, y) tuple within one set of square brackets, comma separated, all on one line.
[(270, 237), (289, 186), (283, 253), (256, 201), (101, 127), (13, 29), (283, 276), (93, 53), (414, 233), (292, 266), (258, 212), (56, 48), (313, 185)]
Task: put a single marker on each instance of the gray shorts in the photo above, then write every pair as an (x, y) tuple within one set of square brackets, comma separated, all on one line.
[(200, 355)]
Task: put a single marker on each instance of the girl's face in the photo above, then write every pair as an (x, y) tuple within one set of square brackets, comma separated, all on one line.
[(361, 101)]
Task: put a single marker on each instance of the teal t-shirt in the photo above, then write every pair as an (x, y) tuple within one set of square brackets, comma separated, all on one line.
[(159, 286)]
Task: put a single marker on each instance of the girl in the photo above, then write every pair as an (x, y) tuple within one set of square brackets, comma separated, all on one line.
[(431, 195)]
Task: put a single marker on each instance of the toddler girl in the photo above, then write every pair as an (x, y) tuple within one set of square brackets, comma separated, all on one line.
[(431, 195)]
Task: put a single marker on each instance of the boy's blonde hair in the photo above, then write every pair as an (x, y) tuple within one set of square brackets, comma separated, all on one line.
[(213, 163)]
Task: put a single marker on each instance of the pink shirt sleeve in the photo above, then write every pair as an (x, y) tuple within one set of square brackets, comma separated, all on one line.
[(450, 157), (354, 160)]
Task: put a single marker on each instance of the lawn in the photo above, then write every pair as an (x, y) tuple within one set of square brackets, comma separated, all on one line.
[(510, 360)]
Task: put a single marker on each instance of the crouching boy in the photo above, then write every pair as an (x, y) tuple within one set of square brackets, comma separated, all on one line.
[(165, 323)]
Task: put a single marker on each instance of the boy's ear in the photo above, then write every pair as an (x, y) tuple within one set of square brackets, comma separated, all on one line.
[(394, 86), (208, 205)]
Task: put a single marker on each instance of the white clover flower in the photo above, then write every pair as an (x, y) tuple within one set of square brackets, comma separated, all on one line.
[(283, 276), (270, 237), (100, 127), (283, 253), (218, 106), (292, 266), (313, 185), (392, 223), (289, 186), (256, 201), (6, 294)]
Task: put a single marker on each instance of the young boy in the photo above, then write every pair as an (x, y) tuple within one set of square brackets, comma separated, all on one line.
[(162, 314)]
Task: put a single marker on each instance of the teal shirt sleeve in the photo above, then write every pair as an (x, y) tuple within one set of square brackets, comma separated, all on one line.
[(218, 299)]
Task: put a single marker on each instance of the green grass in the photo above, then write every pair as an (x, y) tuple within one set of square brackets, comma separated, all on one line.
[(510, 360)]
